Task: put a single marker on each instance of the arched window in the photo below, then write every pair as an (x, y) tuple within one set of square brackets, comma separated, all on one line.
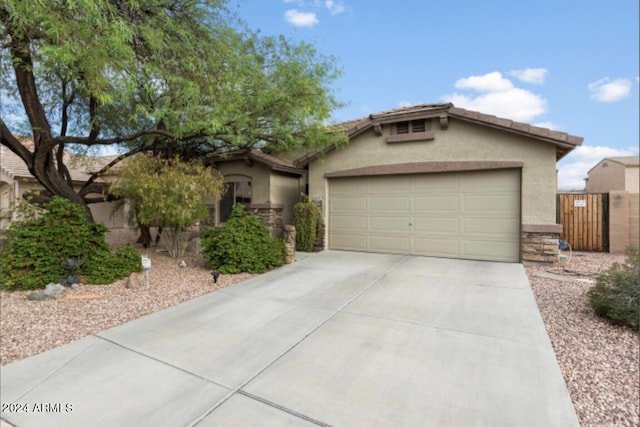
[(238, 191)]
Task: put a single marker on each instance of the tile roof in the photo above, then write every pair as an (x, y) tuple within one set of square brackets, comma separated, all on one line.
[(627, 161), (273, 162), (563, 141), (80, 166)]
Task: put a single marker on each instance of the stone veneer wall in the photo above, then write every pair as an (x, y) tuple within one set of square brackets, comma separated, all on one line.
[(540, 243), (271, 215)]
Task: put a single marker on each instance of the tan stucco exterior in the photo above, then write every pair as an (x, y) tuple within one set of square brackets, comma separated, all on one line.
[(611, 175), (268, 187), (461, 142)]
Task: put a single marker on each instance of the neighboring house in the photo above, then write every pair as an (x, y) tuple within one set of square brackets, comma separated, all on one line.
[(614, 174), (620, 178), (15, 180), (437, 180)]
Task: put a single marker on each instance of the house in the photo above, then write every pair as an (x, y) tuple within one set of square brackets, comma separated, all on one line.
[(614, 174), (437, 180), (620, 178), (15, 180)]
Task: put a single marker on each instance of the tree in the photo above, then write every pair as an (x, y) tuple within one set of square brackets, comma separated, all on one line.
[(173, 76), (169, 192)]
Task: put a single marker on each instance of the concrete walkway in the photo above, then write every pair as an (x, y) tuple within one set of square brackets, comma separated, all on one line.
[(336, 339)]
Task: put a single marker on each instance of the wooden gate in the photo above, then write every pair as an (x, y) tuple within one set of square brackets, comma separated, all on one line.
[(585, 220)]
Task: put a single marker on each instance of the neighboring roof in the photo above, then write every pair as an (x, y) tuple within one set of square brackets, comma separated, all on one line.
[(564, 142), (627, 162), (80, 166), (255, 155)]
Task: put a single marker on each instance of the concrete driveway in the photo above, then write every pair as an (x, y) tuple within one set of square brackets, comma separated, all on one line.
[(336, 339)]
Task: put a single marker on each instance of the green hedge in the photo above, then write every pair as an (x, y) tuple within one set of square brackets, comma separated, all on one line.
[(307, 219), (35, 249), (243, 245)]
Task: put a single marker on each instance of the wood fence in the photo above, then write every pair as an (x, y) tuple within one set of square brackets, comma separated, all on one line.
[(585, 220)]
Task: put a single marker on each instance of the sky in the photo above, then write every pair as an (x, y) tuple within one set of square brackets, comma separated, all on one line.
[(567, 65)]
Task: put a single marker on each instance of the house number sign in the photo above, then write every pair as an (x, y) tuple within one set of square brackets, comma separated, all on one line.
[(580, 203)]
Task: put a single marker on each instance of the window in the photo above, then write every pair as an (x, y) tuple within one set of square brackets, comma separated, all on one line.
[(237, 192)]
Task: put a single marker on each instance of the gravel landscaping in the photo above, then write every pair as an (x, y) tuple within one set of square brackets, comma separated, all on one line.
[(599, 361)]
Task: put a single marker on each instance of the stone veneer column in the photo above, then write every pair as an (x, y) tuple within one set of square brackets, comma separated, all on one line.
[(540, 242), (271, 215)]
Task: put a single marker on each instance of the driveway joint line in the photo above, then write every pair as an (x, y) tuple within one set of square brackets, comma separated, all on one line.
[(295, 344), (283, 408), (148, 356)]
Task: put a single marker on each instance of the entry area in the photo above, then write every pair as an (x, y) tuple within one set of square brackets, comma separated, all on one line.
[(466, 215)]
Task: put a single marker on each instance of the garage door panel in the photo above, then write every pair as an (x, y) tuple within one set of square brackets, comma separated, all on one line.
[(497, 226), (355, 203), (388, 203), (398, 224), (481, 181), (474, 215), (436, 203), (436, 224), (350, 242), (396, 185), (433, 246), (490, 251), (490, 203), (389, 243), (348, 223), (435, 183)]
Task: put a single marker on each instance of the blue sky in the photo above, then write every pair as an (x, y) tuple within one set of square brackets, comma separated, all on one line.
[(568, 65)]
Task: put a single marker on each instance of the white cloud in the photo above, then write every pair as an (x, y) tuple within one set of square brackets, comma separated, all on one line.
[(607, 90), (572, 174), (516, 104), (547, 125), (301, 19), (498, 96), (334, 8), (530, 75), (491, 82)]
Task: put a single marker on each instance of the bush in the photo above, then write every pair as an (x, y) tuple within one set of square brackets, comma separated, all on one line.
[(36, 248), (243, 245), (616, 294), (307, 219)]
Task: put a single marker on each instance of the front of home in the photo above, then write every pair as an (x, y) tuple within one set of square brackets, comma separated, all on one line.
[(430, 179), (437, 180)]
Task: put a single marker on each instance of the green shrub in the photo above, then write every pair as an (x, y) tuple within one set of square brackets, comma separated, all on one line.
[(616, 294), (36, 248), (243, 245), (307, 219), (114, 266)]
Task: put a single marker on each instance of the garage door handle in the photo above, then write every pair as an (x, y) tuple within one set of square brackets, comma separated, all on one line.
[(410, 223)]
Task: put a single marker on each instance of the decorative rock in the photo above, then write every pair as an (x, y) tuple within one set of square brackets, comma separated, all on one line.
[(182, 264), (53, 289), (39, 296), (132, 281)]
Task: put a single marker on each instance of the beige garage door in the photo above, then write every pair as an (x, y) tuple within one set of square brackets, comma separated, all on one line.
[(469, 215)]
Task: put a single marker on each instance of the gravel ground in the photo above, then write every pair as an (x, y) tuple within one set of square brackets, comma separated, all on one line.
[(599, 361)]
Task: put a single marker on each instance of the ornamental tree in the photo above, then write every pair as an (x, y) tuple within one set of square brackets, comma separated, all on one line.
[(172, 76), (168, 192)]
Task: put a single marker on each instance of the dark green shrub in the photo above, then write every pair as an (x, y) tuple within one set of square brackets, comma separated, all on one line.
[(307, 219), (243, 245), (114, 266), (35, 249), (616, 294)]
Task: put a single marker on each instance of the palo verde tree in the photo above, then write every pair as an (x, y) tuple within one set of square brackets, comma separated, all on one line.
[(169, 192), (172, 76)]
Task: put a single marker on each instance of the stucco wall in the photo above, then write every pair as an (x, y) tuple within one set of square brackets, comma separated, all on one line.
[(286, 189), (606, 176), (462, 141), (632, 180), (624, 220)]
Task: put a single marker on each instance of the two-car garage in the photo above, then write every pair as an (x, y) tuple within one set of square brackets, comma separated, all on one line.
[(469, 215)]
